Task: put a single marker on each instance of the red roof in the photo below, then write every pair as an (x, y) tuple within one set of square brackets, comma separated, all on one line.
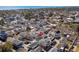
[(40, 33)]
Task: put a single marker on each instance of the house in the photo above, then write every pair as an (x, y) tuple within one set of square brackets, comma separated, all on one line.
[(76, 19), (57, 35), (17, 44), (33, 46), (3, 36)]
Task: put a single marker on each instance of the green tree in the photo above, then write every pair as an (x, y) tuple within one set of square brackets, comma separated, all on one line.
[(50, 15), (27, 15), (2, 22), (7, 47)]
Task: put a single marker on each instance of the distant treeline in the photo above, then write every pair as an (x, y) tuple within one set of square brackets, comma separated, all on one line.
[(21, 11)]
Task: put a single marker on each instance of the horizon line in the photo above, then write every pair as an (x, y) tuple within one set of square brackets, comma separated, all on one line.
[(25, 7)]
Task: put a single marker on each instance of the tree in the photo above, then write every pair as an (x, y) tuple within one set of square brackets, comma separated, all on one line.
[(78, 29), (27, 15), (2, 22), (7, 47), (50, 14), (41, 15)]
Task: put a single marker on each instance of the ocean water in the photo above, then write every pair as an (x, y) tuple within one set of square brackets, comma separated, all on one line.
[(26, 7)]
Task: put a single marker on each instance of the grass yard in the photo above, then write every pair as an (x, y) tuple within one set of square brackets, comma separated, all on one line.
[(77, 48)]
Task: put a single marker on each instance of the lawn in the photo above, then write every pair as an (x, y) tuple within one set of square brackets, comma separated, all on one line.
[(77, 49)]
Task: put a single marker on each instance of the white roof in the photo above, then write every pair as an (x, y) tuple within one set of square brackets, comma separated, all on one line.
[(62, 48)]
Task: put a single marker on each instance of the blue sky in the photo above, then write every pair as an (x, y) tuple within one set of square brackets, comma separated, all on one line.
[(25, 7)]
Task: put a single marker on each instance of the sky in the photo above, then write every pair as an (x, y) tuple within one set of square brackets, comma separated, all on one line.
[(25, 7)]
